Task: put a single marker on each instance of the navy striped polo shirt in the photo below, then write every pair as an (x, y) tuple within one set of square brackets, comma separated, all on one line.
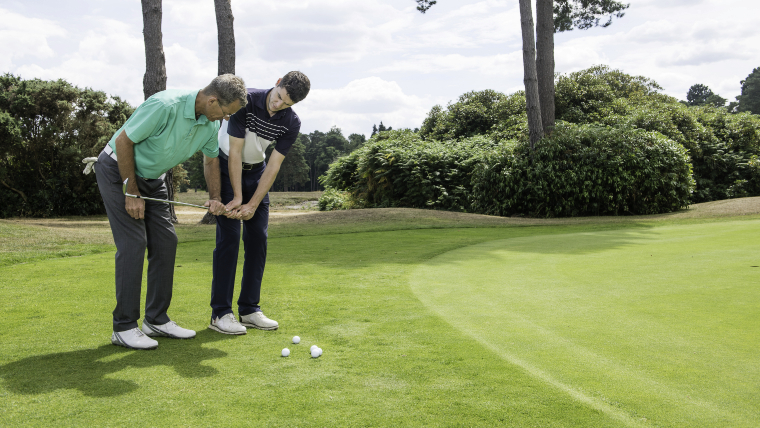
[(254, 124)]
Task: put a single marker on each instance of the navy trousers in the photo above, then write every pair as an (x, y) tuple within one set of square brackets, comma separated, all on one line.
[(228, 246)]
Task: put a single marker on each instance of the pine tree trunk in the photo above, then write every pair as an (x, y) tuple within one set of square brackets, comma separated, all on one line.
[(155, 61), (225, 31), (225, 36), (531, 81), (155, 70), (545, 61)]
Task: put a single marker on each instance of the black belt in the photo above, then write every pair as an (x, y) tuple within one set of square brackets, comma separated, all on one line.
[(246, 166)]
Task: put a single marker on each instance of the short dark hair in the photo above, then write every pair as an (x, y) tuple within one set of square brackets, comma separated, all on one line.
[(297, 85), (228, 88)]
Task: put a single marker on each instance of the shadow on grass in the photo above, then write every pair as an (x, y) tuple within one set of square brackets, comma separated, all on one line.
[(88, 370)]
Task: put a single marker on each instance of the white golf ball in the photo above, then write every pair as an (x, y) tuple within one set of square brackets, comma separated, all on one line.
[(296, 340), (286, 352), (313, 347), (320, 351), (315, 353)]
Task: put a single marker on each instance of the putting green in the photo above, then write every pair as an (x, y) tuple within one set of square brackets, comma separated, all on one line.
[(649, 325)]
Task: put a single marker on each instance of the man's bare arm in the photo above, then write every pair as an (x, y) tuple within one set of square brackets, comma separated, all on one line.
[(214, 184), (235, 169), (125, 153)]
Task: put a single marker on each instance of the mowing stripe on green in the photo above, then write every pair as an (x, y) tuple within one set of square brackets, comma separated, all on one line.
[(656, 325)]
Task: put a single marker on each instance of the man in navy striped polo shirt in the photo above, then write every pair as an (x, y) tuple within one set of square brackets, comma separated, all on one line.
[(246, 178)]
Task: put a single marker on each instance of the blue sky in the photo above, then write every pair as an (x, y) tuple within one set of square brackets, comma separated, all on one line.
[(373, 60)]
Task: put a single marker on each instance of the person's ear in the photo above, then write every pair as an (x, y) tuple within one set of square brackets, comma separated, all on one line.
[(278, 82)]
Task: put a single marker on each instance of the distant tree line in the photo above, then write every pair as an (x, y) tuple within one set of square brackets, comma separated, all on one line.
[(749, 100)]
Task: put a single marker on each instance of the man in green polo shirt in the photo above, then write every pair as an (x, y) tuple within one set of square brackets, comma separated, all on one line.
[(163, 132)]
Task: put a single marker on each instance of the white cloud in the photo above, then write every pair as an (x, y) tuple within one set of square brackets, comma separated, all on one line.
[(420, 60), (21, 37), (470, 26), (677, 46), (509, 64), (187, 69), (110, 57), (316, 31), (361, 103), (666, 4)]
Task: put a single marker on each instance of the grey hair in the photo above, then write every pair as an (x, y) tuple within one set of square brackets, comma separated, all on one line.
[(228, 88)]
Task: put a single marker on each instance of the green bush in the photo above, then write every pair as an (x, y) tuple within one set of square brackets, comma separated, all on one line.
[(584, 170), (400, 169), (478, 113), (620, 147), (46, 128), (333, 200), (726, 160), (593, 94), (719, 143)]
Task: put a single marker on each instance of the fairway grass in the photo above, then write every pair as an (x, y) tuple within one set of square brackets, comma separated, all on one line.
[(657, 325), (498, 322)]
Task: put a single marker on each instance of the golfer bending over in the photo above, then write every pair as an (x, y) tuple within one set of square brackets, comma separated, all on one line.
[(266, 119), (163, 132)]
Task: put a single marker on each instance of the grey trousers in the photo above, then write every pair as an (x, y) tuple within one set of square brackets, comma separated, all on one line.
[(155, 232)]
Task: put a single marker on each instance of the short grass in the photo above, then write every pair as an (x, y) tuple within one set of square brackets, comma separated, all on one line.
[(498, 322), (652, 324)]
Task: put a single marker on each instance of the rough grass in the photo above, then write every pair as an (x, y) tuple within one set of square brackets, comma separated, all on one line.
[(27, 240)]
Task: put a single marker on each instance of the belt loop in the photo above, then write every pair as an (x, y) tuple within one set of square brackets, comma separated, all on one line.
[(109, 151)]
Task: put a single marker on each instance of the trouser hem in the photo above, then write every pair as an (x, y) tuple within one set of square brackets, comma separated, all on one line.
[(221, 313), (118, 328)]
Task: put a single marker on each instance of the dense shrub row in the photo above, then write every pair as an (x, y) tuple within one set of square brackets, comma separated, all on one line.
[(584, 170), (610, 126), (400, 169), (720, 144)]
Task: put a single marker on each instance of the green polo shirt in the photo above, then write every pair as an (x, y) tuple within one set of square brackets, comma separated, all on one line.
[(166, 133)]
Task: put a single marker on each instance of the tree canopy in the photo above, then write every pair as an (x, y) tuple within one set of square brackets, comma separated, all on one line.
[(424, 5), (584, 14), (749, 100), (698, 94), (46, 128)]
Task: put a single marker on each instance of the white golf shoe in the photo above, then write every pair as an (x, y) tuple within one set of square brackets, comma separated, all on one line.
[(258, 320), (227, 324), (133, 339), (170, 329)]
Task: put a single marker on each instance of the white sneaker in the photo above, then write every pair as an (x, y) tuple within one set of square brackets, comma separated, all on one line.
[(227, 324), (133, 339), (170, 329), (258, 320)]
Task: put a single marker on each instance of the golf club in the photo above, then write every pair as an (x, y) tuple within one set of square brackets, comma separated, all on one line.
[(124, 189)]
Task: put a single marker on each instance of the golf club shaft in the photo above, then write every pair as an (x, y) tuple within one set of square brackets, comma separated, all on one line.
[(166, 201), (124, 190)]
